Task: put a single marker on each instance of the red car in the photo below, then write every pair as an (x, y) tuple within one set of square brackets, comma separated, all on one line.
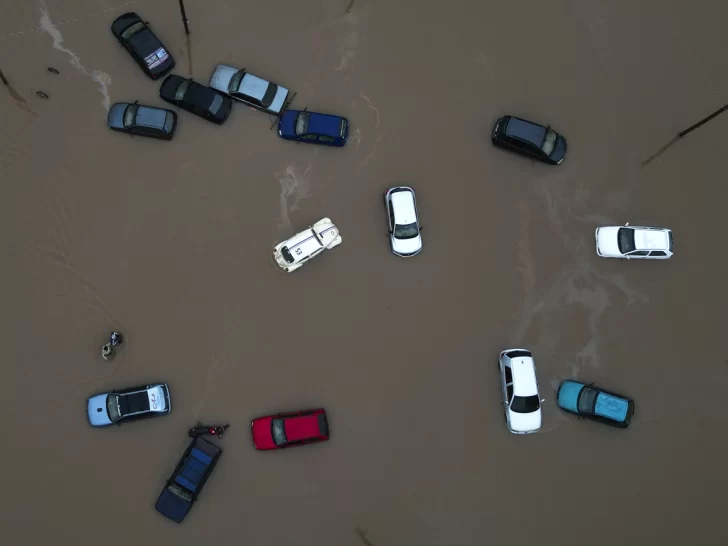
[(290, 429)]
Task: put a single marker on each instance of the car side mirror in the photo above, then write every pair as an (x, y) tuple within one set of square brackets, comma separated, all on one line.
[(543, 400), (626, 224), (422, 227)]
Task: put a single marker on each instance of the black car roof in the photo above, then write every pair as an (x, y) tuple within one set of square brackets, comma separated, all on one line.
[(526, 130), (145, 42), (200, 95)]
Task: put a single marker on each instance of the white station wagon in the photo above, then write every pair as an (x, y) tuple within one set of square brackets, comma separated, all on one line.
[(404, 222), (252, 90), (634, 242), (296, 251), (521, 400)]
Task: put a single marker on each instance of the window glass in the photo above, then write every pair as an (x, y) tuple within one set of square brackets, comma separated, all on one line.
[(639, 253), (181, 90), (658, 253), (279, 432), (549, 142), (509, 374), (308, 137), (113, 408), (324, 138), (132, 30), (302, 123), (587, 399), (625, 240), (216, 104), (525, 404), (235, 81), (509, 392), (130, 114)]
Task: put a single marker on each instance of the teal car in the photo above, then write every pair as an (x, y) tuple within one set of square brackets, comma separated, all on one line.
[(594, 403)]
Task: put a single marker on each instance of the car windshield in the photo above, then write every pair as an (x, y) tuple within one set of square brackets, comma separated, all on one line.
[(279, 433), (625, 240), (270, 94), (548, 142), (112, 407), (132, 30), (406, 231), (302, 123), (525, 404), (587, 399), (181, 90), (287, 254), (130, 115), (235, 81), (216, 104)]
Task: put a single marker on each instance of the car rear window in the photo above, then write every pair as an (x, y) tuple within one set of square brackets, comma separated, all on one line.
[(130, 115), (181, 90), (216, 104), (518, 354), (235, 81), (270, 94), (323, 424)]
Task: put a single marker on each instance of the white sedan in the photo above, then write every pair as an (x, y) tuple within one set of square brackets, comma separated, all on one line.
[(252, 90), (521, 398), (296, 251), (634, 242), (404, 222)]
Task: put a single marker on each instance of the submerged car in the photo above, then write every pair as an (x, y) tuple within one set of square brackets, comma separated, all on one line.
[(290, 429), (142, 44), (634, 242), (249, 89), (296, 251), (198, 99), (404, 222), (312, 127), (140, 120), (529, 139), (520, 391), (116, 407), (594, 403)]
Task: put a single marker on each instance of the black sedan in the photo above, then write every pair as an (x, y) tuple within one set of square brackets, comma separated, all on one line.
[(142, 44), (137, 119), (198, 99), (529, 139)]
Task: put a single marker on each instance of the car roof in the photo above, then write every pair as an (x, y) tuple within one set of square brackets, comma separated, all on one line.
[(145, 42), (301, 427), (403, 204), (253, 86), (149, 116), (306, 241), (651, 239), (200, 95), (525, 130), (324, 124), (524, 376)]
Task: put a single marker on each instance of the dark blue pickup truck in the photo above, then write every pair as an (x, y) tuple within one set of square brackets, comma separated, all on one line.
[(188, 479)]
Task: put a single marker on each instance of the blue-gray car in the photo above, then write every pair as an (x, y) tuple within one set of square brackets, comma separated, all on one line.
[(594, 403), (137, 119)]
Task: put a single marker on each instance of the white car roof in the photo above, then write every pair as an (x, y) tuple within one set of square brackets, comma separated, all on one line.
[(306, 242), (253, 86), (403, 204), (524, 376), (651, 239)]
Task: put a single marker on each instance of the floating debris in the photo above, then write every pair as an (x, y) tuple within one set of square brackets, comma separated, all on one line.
[(41, 94), (53, 70)]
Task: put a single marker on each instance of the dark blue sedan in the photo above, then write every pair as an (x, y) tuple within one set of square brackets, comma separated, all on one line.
[(312, 127), (594, 403)]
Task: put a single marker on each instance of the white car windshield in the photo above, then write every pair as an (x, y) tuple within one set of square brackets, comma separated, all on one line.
[(525, 404), (406, 231), (625, 240), (112, 407)]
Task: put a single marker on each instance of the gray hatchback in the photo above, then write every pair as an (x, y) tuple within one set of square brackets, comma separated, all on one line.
[(137, 119)]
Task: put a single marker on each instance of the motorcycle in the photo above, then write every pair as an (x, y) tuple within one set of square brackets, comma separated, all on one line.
[(200, 430)]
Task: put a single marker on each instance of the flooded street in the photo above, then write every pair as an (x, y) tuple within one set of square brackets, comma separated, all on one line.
[(170, 243)]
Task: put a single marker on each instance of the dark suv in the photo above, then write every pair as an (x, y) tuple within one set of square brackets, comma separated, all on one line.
[(529, 139)]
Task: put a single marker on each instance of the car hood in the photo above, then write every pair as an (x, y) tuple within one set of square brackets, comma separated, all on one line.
[(278, 100), (287, 123), (116, 115), (96, 409), (262, 434), (568, 395), (523, 423), (407, 247), (559, 152), (607, 241), (221, 77)]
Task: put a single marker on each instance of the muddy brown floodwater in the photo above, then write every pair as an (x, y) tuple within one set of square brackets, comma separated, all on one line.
[(169, 243)]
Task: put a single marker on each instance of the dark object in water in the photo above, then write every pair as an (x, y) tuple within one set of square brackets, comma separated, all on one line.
[(41, 94), (199, 430), (53, 70)]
